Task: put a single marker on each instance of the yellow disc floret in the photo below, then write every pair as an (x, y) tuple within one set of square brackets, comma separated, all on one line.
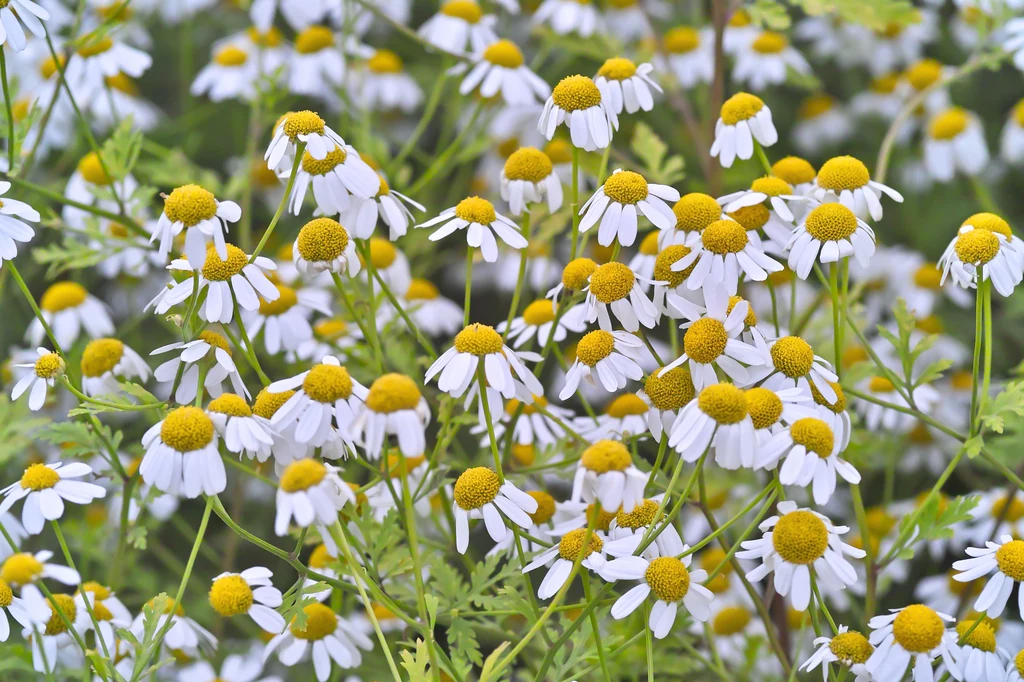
[(529, 164), (740, 107), (217, 270), (851, 647), (231, 405), (39, 477), (21, 569), (724, 236), (393, 392), (594, 347), (668, 578), (571, 545), (322, 240), (545, 506), (843, 172), (814, 434), (504, 53), (476, 487), (314, 39), (101, 356), (976, 246), (286, 299), (681, 39), (539, 312), (705, 340), (772, 186), (476, 210), (577, 273), (230, 56), (91, 170), (327, 383), (612, 282), (302, 474), (879, 384), (948, 124), (800, 537), (267, 404), (606, 455), (575, 93), (792, 356), (6, 595), (668, 256), (467, 10), (765, 407), (695, 211), (816, 105), (421, 290), (49, 366), (56, 624), (302, 123), (384, 61), (187, 429), (724, 403), (626, 187), (626, 405), (642, 515), (189, 205), (923, 73), (981, 637), (670, 391), (769, 42), (751, 217), (990, 222), (323, 166), (731, 620), (320, 622), (617, 69), (63, 295), (928, 276), (478, 339), (1010, 558), (231, 595), (794, 170), (751, 317)]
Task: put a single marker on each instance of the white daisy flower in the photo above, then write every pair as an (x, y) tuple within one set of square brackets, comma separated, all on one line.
[(335, 180), (772, 410), (241, 431), (1006, 560), (575, 276), (568, 16), (481, 222), (390, 264), (434, 314), (614, 286), (627, 530), (986, 250), (849, 648), (846, 179), (577, 103), (284, 447), (22, 571), (499, 69), (611, 356), (828, 234), (107, 361), (689, 55), (811, 451), (321, 411), (45, 487), (327, 635), (765, 60), (740, 31), (229, 75), (205, 219), (68, 308), (12, 215), (110, 613), (719, 418), (744, 118), (47, 641), (912, 636), (184, 634), (547, 511), (284, 320), (919, 282), (24, 12), (460, 26), (536, 425), (895, 46), (192, 353), (250, 592), (560, 559), (626, 86), (1011, 142), (528, 176), (312, 493), (671, 582), (792, 362), (878, 417), (795, 542), (606, 474), (773, 201), (538, 320), (725, 252), (478, 343), (45, 372), (666, 391), (298, 13), (881, 100), (236, 667), (30, 610), (101, 58), (671, 296), (384, 85), (955, 141), (91, 184), (624, 417), (393, 406), (391, 205), (479, 494), (616, 204), (800, 175), (293, 128), (317, 67), (978, 658), (323, 245), (181, 454)]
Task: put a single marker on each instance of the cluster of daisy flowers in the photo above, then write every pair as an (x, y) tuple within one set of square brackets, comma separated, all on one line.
[(297, 400)]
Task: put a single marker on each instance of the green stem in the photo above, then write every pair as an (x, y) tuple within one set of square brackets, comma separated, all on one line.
[(249, 348), (523, 258), (35, 308), (763, 158), (575, 205), (595, 629), (300, 149), (869, 554), (11, 141), (88, 602), (60, 198), (469, 285), (490, 423)]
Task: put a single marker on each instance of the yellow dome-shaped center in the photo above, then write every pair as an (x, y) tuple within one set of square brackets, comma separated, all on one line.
[(101, 356), (800, 537), (322, 240), (189, 205), (476, 487), (575, 93), (626, 187), (741, 107), (606, 455), (724, 403)]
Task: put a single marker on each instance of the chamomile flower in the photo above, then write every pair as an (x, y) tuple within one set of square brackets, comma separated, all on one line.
[(689, 55), (849, 648), (460, 25), (846, 180), (69, 308), (666, 391), (181, 454), (626, 86), (297, 127), (29, 609), (284, 320), (242, 432), (390, 205), (45, 488), (920, 285), (616, 204), (499, 69), (284, 447), (528, 177), (389, 263), (100, 58), (251, 593), (1011, 141), (317, 66), (725, 252), (47, 641), (393, 406), (955, 142), (822, 122), (184, 634), (538, 320), (434, 314), (561, 557), (1006, 560), (323, 245), (670, 580), (611, 356), (719, 418), (536, 425), (878, 417), (577, 103), (792, 362), (108, 610), (92, 184), (202, 216), (321, 411), (915, 636), (13, 213), (335, 179), (811, 457), (457, 367), (627, 530), (312, 493), (828, 234), (978, 658), (479, 493), (770, 198), (744, 118), (228, 280), (384, 85), (569, 16), (623, 418), (23, 12), (327, 635), (881, 100), (614, 286), (22, 571), (795, 542), (977, 249), (765, 60), (481, 222), (236, 668), (606, 474), (46, 370), (206, 344), (798, 172), (575, 277), (229, 75), (105, 361)]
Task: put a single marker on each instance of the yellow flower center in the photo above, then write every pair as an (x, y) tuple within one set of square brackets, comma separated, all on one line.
[(990, 222), (476, 210), (394, 466), (559, 151), (571, 545), (476, 487), (63, 295), (524, 454), (794, 170), (668, 578), (928, 276), (681, 39), (594, 347), (724, 236), (97, 47), (320, 622), (302, 474), (920, 435), (382, 253), (230, 596), (91, 170), (320, 558), (879, 521), (977, 246), (672, 390), (751, 318), (663, 271), (924, 73), (56, 625), (384, 61), (231, 405), (606, 455), (314, 39), (39, 477), (843, 172), (322, 240), (1018, 662), (217, 270), (813, 434), (840, 404), (421, 290), (577, 272), (1010, 558), (982, 637), (467, 10), (272, 38), (190, 204), (851, 647), (705, 340), (770, 42), (545, 506), (739, 19), (21, 569), (393, 392), (49, 366), (642, 515), (327, 383), (504, 53), (962, 380), (1013, 514), (612, 282), (879, 384), (323, 166), (771, 185), (626, 405), (724, 403), (576, 93), (302, 123), (216, 340), (792, 356), (800, 537), (1018, 114), (617, 69), (285, 301), (49, 67), (478, 339), (539, 312), (731, 620), (187, 429), (626, 187), (815, 106), (740, 107), (649, 245), (529, 164), (101, 356), (230, 56), (751, 217), (765, 407), (6, 595), (948, 124)]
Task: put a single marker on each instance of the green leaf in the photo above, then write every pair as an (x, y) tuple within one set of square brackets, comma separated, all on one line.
[(492, 660), (121, 150), (769, 14), (657, 165), (417, 665), (1009, 401), (462, 638), (876, 14)]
